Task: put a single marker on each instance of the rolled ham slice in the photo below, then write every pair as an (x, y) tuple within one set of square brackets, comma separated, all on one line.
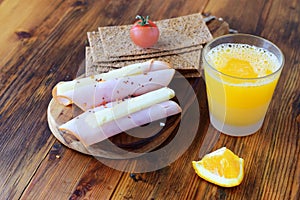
[(99, 93), (102, 122), (89, 135), (63, 91)]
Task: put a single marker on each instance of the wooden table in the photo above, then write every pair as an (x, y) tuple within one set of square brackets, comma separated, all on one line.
[(42, 42)]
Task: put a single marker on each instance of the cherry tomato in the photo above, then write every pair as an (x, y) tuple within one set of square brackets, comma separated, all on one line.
[(144, 33)]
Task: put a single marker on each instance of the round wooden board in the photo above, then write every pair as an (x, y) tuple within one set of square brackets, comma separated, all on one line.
[(126, 145)]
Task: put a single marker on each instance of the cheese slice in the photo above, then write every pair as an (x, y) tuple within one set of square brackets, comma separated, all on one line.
[(125, 108)]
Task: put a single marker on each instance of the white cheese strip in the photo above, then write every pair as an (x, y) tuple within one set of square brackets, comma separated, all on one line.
[(124, 108), (64, 90), (89, 135)]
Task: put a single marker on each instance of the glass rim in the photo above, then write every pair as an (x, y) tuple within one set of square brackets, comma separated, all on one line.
[(250, 36)]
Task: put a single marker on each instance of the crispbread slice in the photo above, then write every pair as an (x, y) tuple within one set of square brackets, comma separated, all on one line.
[(96, 48), (88, 58), (175, 33), (187, 60), (91, 68), (97, 51), (187, 63)]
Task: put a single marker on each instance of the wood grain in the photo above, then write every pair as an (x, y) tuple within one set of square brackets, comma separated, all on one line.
[(42, 42), (267, 143)]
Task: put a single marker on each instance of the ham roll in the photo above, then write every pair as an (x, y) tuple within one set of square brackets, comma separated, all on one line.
[(100, 123), (66, 92)]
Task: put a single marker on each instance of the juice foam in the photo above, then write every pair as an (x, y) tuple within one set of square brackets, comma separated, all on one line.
[(243, 61)]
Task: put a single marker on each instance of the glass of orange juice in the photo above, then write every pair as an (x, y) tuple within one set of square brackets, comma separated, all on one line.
[(241, 73)]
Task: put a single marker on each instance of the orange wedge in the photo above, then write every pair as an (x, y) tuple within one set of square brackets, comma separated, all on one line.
[(221, 167)]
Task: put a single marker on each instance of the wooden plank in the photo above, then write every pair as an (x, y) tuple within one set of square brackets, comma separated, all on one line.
[(15, 31), (237, 13), (34, 188), (254, 154), (273, 147), (54, 174), (278, 183), (34, 67), (38, 55), (71, 175), (175, 181)]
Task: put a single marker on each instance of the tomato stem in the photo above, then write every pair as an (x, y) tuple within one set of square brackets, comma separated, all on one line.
[(144, 21)]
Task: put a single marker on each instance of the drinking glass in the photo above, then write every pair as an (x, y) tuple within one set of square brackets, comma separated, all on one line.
[(241, 72)]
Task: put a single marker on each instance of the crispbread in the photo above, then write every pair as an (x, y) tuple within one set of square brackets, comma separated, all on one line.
[(96, 47), (186, 63), (97, 51), (91, 68), (175, 33), (187, 60), (180, 44)]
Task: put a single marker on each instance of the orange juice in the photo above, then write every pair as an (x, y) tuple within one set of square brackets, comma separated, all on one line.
[(240, 82)]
